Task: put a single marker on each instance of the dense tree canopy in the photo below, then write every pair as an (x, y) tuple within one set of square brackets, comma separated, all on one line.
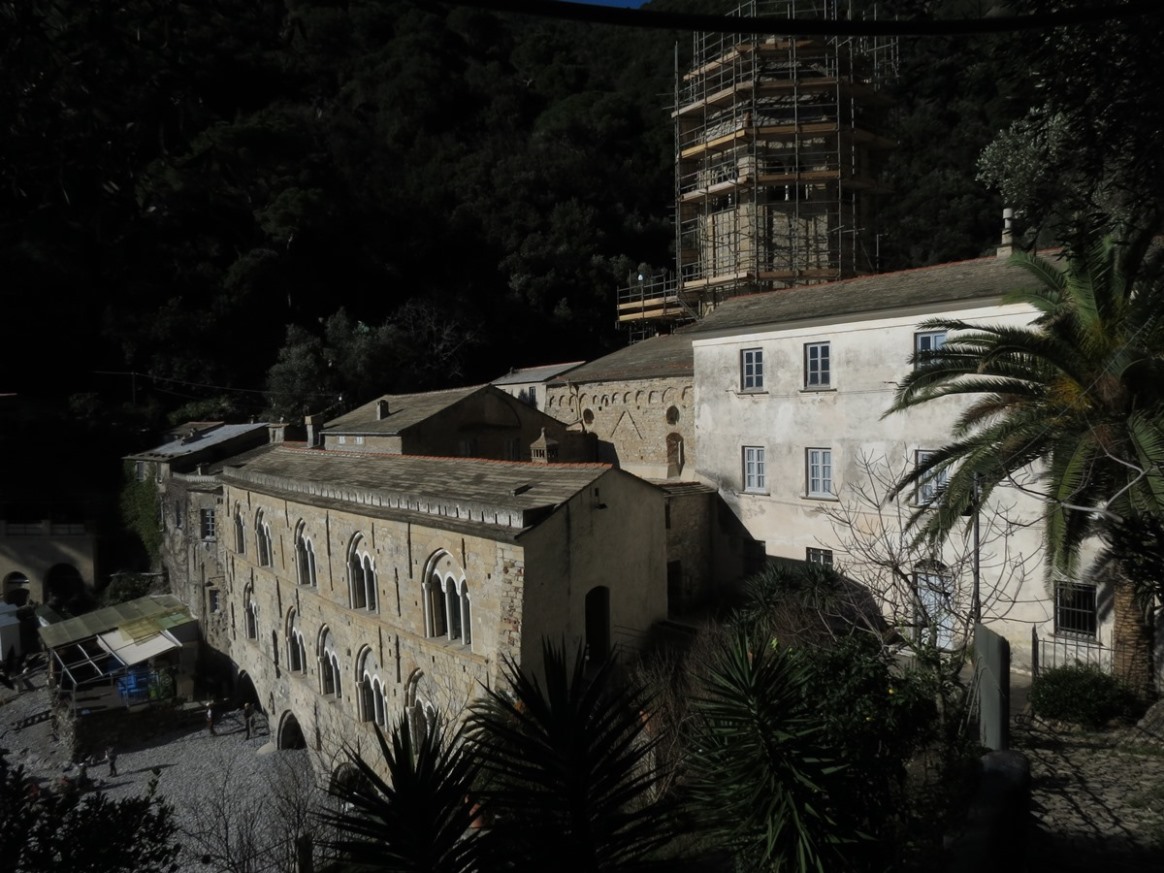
[(193, 191), (1089, 139), (44, 829)]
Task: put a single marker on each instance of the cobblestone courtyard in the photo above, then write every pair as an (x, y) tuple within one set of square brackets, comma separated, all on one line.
[(220, 786), (1097, 798)]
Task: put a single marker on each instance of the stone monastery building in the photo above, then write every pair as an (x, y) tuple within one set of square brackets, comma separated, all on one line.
[(393, 560), (343, 581)]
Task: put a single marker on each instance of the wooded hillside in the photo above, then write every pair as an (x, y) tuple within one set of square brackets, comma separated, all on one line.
[(347, 198)]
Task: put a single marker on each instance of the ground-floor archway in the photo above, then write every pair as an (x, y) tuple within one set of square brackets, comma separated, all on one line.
[(63, 586), (17, 589), (290, 735), (245, 691)]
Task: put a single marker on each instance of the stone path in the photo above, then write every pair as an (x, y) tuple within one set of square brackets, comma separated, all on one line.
[(1097, 799), (221, 786)]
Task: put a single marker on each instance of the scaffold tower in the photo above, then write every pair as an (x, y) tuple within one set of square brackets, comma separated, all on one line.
[(778, 149)]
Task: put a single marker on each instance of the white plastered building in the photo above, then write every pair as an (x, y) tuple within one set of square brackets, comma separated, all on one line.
[(791, 390)]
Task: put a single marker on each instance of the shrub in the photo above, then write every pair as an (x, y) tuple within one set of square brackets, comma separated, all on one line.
[(1082, 695)]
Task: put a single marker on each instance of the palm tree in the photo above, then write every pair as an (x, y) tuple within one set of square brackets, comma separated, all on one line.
[(1077, 393), (416, 821), (568, 769)]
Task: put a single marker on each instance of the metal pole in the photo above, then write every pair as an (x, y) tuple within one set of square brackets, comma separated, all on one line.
[(977, 605)]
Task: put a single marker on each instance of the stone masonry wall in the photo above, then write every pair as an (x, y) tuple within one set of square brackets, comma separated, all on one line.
[(389, 642), (645, 426)]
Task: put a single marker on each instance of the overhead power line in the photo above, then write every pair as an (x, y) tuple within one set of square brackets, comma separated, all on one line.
[(774, 24)]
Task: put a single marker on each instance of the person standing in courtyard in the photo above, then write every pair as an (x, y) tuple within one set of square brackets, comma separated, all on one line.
[(111, 758), (248, 715), (210, 719)]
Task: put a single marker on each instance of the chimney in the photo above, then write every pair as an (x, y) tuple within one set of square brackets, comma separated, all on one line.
[(312, 435), (543, 450), (381, 409), (1007, 248)]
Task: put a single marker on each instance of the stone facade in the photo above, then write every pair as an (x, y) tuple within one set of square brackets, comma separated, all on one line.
[(337, 621), (639, 403), (707, 549), (191, 510)]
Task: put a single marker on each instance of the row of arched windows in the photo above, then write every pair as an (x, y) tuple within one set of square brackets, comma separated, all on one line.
[(371, 688), (445, 590), (362, 590)]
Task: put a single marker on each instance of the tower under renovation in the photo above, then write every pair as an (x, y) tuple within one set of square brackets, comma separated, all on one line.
[(777, 159)]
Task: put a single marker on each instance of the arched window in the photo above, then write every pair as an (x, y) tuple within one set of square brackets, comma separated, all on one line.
[(434, 606), (453, 608), (466, 615), (240, 540), (361, 576), (329, 669), (252, 613), (421, 714), (304, 557), (263, 539), (372, 703), (296, 647), (446, 600)]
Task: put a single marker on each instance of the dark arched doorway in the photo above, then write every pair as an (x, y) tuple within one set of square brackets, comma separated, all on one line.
[(290, 734), (64, 587)]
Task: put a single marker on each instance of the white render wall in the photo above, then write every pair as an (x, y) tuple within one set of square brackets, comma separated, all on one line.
[(868, 357)]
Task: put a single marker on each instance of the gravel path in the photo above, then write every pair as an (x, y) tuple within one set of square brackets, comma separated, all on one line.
[(227, 791)]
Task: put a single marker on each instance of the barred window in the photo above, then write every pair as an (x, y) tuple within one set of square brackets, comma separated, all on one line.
[(824, 557), (1075, 609)]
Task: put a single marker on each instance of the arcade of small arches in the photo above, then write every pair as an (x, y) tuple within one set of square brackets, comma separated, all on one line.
[(671, 398)]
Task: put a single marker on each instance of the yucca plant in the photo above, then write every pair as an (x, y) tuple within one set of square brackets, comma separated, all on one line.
[(760, 769), (418, 819), (568, 774)]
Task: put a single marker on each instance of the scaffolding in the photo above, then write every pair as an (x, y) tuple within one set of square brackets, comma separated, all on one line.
[(777, 160)]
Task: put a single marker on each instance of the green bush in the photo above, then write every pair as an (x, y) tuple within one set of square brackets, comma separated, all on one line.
[(1082, 695)]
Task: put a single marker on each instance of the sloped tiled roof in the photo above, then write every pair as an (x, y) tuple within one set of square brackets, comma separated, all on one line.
[(200, 441), (657, 357), (466, 490), (535, 374), (922, 288), (404, 411)]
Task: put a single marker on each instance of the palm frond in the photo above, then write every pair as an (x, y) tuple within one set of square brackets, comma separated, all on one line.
[(568, 766), (761, 769), (1081, 388), (418, 819)]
